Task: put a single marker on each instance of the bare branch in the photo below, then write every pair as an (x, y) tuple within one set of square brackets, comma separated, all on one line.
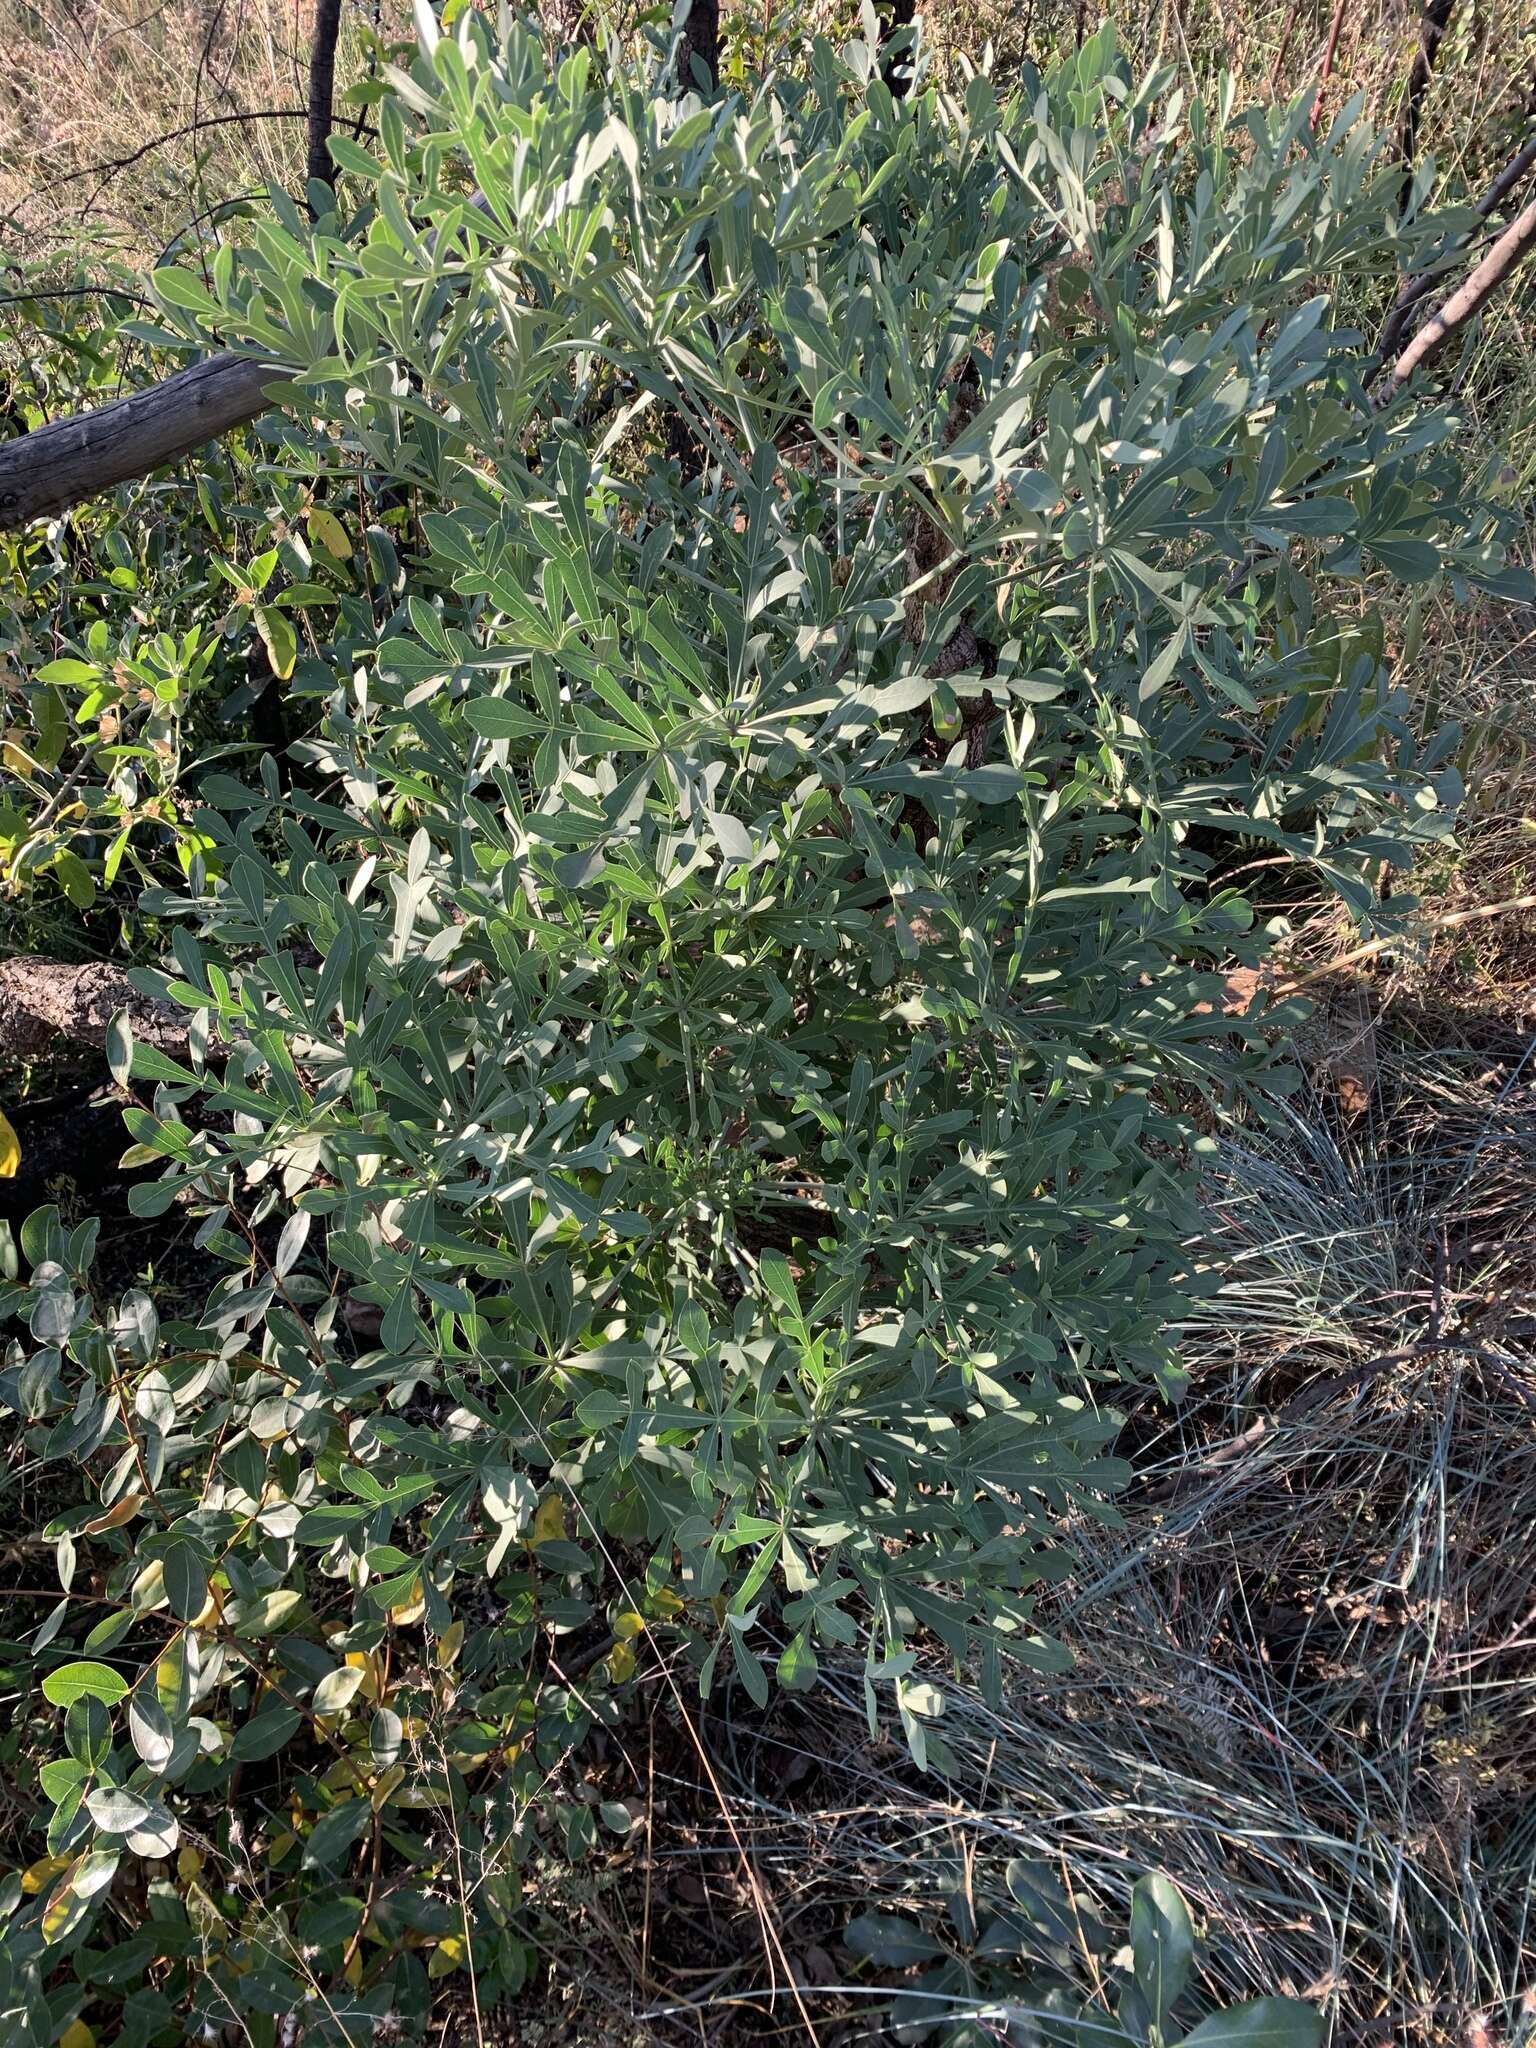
[(1512, 247), (1511, 175), (1415, 290), (109, 168)]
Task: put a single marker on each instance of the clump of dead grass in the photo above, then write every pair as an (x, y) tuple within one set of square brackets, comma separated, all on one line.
[(89, 86)]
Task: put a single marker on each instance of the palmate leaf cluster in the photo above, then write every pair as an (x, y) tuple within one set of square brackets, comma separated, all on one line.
[(694, 1065)]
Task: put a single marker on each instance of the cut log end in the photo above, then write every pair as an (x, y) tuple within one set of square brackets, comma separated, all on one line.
[(44, 1001)]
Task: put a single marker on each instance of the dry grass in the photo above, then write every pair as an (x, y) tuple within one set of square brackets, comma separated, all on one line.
[(89, 85)]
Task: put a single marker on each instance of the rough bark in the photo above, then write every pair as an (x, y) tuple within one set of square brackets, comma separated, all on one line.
[(701, 40), (54, 467), (44, 1000), (1512, 247), (322, 91)]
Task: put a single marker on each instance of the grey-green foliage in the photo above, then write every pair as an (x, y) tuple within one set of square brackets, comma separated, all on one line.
[(729, 987), (662, 933), (1007, 1961)]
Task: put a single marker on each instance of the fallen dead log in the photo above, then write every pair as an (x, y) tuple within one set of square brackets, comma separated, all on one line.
[(50, 469)]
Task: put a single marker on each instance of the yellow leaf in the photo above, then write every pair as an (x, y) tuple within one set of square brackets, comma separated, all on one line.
[(188, 1865), (326, 528), (449, 1643), (37, 1874), (121, 1511), (77, 2035), (628, 1625), (621, 1662), (173, 1685), (362, 1660), (10, 1149), (393, 1777), (353, 1972), (65, 1908), (409, 1612), (279, 1846), (549, 1521), (212, 1610), (447, 1956)]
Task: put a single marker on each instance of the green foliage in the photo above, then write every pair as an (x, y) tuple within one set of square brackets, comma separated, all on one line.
[(1018, 1960), (142, 641), (694, 1064)]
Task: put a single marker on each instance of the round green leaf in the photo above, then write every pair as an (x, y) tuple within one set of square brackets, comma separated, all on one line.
[(83, 1681)]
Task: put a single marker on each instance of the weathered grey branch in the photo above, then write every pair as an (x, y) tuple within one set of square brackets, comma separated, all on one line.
[(1516, 243), (54, 467)]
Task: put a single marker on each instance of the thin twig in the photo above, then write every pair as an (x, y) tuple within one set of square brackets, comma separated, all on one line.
[(1294, 984), (109, 167), (1328, 56)]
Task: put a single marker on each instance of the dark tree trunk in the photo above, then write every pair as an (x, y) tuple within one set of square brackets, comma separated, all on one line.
[(322, 91), (701, 40), (1433, 23), (896, 17)]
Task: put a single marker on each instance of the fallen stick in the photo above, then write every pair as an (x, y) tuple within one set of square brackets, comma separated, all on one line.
[(1512, 247)]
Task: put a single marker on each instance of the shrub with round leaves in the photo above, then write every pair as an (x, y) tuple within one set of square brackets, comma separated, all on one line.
[(692, 1073)]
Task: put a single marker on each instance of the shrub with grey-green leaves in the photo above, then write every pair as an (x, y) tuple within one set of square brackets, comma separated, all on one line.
[(694, 1074)]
